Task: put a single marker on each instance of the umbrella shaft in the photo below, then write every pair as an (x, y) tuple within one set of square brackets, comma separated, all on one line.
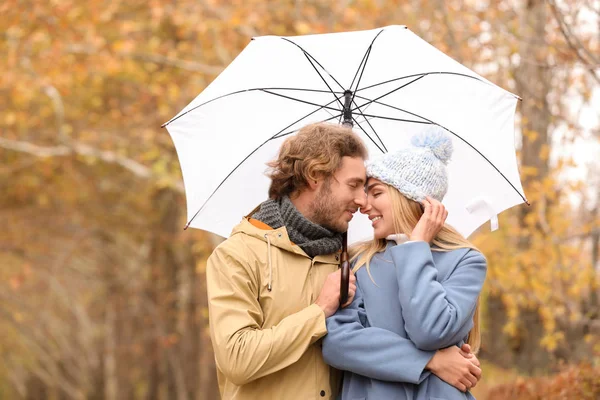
[(347, 108)]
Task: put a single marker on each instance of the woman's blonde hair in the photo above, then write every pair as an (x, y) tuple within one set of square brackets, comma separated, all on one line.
[(406, 213)]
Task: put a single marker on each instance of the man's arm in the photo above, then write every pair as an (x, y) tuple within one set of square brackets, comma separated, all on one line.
[(437, 315), (245, 352)]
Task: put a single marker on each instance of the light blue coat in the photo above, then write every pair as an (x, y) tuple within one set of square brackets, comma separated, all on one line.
[(421, 301)]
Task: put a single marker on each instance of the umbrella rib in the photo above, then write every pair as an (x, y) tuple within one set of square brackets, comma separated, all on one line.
[(223, 181), (296, 130), (254, 151), (363, 64), (369, 123), (366, 58), (360, 65), (305, 90), (390, 106), (434, 123), (430, 122), (321, 76), (307, 102), (309, 57), (276, 136), (369, 136), (367, 54), (365, 106), (486, 159), (242, 91), (397, 119), (306, 53), (423, 74), (303, 101), (388, 93)]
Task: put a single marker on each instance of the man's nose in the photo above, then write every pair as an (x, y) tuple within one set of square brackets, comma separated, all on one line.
[(361, 200)]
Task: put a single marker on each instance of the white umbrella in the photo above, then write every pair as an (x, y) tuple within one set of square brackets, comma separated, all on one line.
[(393, 84)]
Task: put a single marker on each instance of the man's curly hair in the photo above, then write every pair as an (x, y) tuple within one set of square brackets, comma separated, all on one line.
[(316, 151)]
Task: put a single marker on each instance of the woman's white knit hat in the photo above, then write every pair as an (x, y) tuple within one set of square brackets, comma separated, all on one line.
[(417, 171)]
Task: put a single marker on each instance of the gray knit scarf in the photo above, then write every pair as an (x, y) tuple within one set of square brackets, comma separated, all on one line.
[(312, 238)]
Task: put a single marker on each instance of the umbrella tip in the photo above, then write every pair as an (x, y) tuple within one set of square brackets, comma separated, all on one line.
[(163, 125), (186, 226), (527, 202)]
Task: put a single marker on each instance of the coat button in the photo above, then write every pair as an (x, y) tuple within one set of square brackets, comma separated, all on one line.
[(337, 258), (322, 393)]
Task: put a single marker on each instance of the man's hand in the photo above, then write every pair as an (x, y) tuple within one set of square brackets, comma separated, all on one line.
[(351, 288), (431, 221), (456, 367), (329, 298)]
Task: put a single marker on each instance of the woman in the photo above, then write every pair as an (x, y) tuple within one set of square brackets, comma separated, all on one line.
[(412, 298)]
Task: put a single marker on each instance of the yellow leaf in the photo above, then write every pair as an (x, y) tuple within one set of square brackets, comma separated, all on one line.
[(302, 28), (545, 152), (10, 118), (201, 267)]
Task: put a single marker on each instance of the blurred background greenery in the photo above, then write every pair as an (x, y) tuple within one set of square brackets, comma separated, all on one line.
[(102, 294)]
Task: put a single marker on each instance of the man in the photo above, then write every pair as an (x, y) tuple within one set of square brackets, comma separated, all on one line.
[(273, 283)]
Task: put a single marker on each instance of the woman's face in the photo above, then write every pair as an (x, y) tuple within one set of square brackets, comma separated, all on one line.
[(379, 209)]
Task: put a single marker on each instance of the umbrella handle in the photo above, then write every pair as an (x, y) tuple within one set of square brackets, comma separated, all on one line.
[(345, 282), (345, 274)]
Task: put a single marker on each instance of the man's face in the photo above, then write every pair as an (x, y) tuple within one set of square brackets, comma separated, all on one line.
[(340, 195)]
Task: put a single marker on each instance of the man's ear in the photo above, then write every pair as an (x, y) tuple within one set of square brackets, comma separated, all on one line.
[(314, 183)]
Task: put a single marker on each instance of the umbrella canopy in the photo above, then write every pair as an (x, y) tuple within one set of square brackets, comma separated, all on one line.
[(394, 85)]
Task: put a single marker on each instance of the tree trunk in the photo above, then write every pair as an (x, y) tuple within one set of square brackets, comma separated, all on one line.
[(165, 369), (111, 388), (533, 79)]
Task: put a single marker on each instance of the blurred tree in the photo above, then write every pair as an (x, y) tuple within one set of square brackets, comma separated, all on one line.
[(542, 282), (103, 297)]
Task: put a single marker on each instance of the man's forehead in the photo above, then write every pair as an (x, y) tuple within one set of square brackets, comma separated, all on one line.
[(352, 169)]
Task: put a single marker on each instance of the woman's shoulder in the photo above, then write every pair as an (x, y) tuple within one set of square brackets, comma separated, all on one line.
[(465, 254)]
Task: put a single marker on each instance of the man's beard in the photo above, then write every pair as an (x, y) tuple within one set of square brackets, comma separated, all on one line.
[(325, 210)]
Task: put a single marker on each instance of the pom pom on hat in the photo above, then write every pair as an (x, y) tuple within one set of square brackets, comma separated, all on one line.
[(437, 140)]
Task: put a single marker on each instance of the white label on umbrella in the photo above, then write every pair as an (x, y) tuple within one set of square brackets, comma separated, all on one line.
[(481, 204)]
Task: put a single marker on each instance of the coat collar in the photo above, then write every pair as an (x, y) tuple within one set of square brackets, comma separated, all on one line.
[(278, 238)]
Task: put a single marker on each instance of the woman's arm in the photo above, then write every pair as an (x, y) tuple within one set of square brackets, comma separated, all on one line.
[(437, 315), (377, 353), (369, 351)]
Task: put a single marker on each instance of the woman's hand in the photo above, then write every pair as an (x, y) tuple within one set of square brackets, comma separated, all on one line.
[(457, 367), (431, 221)]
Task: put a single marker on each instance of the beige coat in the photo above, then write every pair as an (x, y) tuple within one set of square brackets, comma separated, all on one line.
[(267, 342)]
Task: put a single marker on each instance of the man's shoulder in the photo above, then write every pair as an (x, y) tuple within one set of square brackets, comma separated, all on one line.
[(236, 241), (231, 253), (239, 243)]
